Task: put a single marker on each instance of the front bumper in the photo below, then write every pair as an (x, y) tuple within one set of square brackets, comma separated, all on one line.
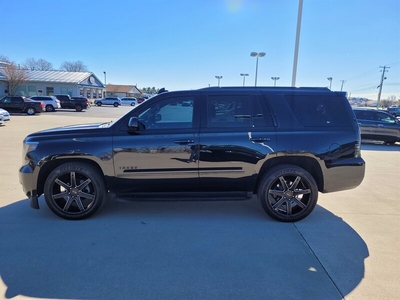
[(28, 182)]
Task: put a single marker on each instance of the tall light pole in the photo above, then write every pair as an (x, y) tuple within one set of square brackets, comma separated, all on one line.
[(257, 54), (219, 78), (296, 47), (275, 79), (244, 77), (105, 82), (343, 81), (330, 82)]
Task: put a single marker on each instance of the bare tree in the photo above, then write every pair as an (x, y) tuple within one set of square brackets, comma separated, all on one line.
[(4, 58), (39, 64), (74, 66), (14, 77)]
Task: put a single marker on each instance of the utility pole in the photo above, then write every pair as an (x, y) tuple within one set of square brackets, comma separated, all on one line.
[(378, 103)]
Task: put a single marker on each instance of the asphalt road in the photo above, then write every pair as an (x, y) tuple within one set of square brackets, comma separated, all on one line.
[(348, 248)]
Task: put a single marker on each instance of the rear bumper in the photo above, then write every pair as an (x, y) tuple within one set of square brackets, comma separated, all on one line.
[(344, 175)]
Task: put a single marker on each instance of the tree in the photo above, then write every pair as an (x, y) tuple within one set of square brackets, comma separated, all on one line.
[(150, 90), (4, 58), (74, 66), (14, 76), (38, 65)]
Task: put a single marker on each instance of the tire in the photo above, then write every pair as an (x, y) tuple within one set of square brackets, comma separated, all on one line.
[(288, 193), (50, 108), (30, 111), (98, 103), (132, 103), (116, 104), (78, 108), (75, 191)]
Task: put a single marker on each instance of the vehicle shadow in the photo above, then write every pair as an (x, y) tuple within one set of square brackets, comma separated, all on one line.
[(177, 250), (379, 146)]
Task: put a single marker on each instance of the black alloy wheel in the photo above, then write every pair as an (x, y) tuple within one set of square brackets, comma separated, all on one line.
[(288, 193), (75, 191), (78, 108)]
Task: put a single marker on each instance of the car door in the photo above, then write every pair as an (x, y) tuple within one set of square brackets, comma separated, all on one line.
[(387, 127), (5, 103), (156, 157), (368, 126), (237, 133)]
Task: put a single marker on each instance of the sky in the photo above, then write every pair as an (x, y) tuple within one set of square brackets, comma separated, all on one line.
[(184, 44)]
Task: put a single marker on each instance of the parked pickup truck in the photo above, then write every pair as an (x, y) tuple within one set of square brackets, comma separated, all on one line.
[(21, 104), (77, 103)]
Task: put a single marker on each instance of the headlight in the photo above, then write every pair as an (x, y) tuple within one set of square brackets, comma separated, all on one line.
[(28, 147)]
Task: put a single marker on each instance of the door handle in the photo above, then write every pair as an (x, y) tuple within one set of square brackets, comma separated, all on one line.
[(183, 142), (260, 140)]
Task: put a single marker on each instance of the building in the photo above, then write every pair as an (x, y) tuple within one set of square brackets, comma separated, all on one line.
[(46, 83), (123, 90)]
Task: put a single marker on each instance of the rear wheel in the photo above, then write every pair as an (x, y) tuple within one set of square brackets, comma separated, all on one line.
[(288, 193), (31, 111), (49, 108), (115, 104), (78, 108), (75, 191)]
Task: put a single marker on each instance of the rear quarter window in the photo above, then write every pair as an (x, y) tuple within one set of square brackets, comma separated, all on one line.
[(319, 110)]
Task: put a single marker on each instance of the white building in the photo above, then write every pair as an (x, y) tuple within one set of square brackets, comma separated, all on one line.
[(46, 83)]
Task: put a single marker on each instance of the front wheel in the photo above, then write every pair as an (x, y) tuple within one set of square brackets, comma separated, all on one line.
[(98, 103), (75, 191), (288, 193)]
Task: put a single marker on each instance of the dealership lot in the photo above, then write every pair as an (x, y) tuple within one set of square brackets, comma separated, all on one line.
[(347, 248)]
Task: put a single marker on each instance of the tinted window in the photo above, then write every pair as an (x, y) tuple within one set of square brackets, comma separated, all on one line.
[(176, 112), (383, 117), (318, 110), (234, 111)]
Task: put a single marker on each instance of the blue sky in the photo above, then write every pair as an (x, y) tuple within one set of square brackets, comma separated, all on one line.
[(184, 44)]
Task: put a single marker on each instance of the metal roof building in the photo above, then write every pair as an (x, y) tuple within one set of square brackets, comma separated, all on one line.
[(85, 84)]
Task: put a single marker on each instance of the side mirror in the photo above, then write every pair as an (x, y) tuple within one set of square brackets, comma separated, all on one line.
[(133, 124)]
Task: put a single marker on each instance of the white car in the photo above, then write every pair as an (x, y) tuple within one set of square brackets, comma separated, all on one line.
[(4, 116), (51, 103), (115, 101)]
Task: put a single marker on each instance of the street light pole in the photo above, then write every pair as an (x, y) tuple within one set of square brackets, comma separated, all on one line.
[(330, 82), (275, 79), (105, 82), (244, 77), (343, 81), (219, 78), (257, 54)]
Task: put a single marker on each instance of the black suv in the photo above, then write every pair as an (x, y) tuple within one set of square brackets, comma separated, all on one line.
[(283, 144)]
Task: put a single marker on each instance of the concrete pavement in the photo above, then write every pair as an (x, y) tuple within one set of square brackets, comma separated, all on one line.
[(348, 248)]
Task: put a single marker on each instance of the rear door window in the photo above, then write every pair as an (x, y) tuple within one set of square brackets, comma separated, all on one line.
[(234, 111)]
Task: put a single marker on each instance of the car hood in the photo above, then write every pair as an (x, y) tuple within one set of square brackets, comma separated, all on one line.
[(73, 128)]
